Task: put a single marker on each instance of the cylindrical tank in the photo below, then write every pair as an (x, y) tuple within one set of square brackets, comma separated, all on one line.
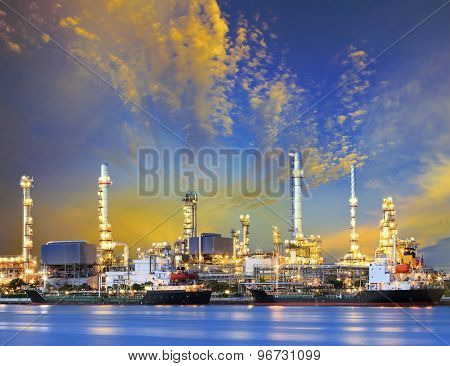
[(402, 268)]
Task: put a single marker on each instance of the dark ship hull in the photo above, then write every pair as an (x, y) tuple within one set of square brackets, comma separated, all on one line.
[(160, 297), (177, 297), (414, 297), (37, 297)]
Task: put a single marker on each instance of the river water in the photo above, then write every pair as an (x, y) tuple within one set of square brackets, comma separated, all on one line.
[(222, 325)]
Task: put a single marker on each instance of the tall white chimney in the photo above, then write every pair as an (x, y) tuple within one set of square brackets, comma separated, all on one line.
[(296, 188)]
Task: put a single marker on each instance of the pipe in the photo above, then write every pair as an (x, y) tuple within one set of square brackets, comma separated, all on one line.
[(394, 254), (199, 250)]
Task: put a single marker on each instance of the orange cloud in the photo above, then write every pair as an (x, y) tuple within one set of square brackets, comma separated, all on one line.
[(14, 47), (426, 214), (338, 243)]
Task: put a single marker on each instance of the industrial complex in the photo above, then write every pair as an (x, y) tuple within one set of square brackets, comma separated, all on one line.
[(215, 258)]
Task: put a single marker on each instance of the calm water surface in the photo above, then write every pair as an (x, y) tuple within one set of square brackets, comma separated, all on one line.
[(222, 325)]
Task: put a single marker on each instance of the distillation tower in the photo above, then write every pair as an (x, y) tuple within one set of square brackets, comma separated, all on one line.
[(390, 247), (107, 245), (388, 229), (27, 226), (23, 265), (245, 227), (235, 237), (300, 249), (189, 218), (354, 256), (277, 242)]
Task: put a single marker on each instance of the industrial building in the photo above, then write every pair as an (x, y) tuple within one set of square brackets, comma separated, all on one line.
[(215, 257), (211, 244), (156, 258), (308, 275), (253, 262), (69, 262)]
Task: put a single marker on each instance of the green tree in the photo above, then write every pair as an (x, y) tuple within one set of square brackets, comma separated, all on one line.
[(16, 283), (137, 287)]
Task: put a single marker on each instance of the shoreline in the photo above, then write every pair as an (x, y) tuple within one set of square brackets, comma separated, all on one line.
[(445, 301)]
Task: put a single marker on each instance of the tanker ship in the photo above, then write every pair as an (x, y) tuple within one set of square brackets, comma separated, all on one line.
[(388, 285), (176, 288), (168, 288)]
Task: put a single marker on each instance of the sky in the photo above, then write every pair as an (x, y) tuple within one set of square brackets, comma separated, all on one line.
[(354, 82)]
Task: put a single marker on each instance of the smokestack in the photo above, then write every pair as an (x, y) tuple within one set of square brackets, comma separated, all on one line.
[(296, 193), (27, 226)]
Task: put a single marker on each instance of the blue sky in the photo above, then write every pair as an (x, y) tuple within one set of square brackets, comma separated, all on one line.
[(226, 74)]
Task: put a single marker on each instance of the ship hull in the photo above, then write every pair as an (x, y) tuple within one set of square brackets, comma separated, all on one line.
[(414, 297), (160, 297), (177, 297), (37, 297)]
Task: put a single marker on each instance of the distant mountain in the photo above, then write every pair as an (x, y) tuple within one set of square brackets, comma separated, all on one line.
[(437, 255)]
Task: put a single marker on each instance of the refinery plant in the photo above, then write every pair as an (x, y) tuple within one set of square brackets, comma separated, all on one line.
[(296, 261), (22, 266)]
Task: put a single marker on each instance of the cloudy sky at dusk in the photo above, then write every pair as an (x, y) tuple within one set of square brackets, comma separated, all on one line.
[(354, 82)]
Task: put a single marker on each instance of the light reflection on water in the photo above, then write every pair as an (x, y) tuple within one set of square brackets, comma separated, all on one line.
[(222, 325)]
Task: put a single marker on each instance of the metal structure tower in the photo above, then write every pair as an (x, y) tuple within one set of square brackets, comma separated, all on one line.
[(276, 236), (235, 237), (296, 175), (189, 217), (388, 230), (354, 248), (354, 256), (245, 224), (26, 183), (106, 250), (300, 249)]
